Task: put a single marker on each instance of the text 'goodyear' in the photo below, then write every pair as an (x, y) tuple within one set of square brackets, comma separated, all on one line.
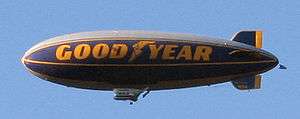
[(121, 50)]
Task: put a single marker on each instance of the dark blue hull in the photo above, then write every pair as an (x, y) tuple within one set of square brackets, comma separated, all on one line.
[(138, 62), (150, 76)]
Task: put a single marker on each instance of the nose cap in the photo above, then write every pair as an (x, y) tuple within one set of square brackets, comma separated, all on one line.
[(25, 57), (23, 60)]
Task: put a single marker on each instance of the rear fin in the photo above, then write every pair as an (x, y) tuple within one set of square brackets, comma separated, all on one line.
[(247, 83), (253, 38)]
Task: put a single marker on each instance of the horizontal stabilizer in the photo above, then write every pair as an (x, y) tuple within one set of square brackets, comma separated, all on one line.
[(247, 83), (253, 38)]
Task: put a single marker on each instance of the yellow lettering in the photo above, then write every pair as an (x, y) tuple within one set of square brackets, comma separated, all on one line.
[(203, 52), (100, 51), (185, 53), (118, 51), (169, 51), (61, 54), (82, 51), (154, 51)]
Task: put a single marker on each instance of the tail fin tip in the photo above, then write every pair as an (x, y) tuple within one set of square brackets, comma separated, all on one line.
[(253, 38)]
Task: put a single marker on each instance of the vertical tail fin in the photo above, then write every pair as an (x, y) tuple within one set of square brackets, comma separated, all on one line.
[(253, 38)]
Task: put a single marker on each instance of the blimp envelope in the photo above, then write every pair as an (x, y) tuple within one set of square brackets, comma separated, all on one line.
[(139, 60)]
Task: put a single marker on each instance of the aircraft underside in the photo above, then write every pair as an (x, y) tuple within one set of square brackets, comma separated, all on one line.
[(132, 91)]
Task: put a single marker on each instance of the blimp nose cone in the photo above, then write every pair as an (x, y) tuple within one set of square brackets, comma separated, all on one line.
[(25, 57), (23, 61)]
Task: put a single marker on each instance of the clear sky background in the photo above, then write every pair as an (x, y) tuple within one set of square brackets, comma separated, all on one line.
[(23, 23)]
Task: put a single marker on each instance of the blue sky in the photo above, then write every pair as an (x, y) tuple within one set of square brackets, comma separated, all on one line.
[(25, 23)]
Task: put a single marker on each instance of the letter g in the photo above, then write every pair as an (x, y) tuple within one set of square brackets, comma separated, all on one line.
[(61, 54)]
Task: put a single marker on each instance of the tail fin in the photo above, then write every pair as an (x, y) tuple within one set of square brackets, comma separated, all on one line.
[(253, 38), (248, 83)]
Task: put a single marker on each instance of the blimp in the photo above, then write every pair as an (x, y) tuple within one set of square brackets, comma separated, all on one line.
[(131, 63)]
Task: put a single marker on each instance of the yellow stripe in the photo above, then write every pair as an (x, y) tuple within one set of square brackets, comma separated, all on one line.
[(258, 39), (182, 64), (257, 81)]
